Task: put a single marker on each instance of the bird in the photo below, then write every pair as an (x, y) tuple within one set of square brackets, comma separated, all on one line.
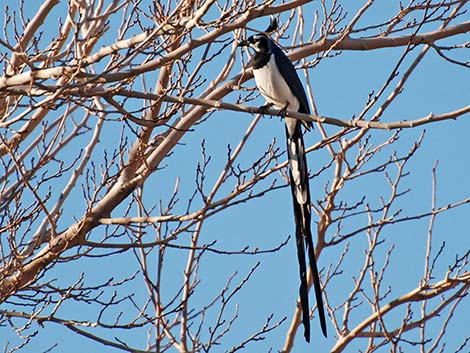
[(277, 80)]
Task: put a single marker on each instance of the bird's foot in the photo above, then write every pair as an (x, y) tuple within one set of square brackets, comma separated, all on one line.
[(283, 111), (264, 108)]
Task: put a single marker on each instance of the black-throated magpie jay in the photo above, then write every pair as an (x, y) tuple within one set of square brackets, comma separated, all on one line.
[(278, 82)]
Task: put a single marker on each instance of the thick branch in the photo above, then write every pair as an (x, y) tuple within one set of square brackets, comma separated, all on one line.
[(344, 44)]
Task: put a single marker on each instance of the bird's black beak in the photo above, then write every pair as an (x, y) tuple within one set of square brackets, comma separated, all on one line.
[(243, 43)]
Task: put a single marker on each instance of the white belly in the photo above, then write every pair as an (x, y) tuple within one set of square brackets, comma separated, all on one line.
[(273, 87)]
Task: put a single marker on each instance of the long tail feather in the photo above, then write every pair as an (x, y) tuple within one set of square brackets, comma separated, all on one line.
[(299, 183)]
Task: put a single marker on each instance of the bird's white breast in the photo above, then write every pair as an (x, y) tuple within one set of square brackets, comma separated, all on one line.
[(273, 87)]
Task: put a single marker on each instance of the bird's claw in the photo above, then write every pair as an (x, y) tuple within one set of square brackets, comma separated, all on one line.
[(264, 108), (283, 111)]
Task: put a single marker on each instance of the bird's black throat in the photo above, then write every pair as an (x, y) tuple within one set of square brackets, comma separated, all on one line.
[(261, 59)]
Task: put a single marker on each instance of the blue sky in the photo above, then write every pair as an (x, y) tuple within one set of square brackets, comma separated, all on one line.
[(340, 86)]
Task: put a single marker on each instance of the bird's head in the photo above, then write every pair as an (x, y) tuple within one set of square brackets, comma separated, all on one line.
[(258, 42)]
